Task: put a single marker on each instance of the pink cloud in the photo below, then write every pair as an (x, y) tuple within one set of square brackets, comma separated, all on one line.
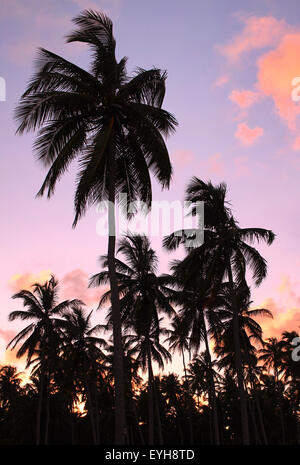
[(74, 285), (220, 81), (246, 135), (258, 33), (7, 335), (285, 307), (284, 319), (244, 98), (215, 164), (182, 158), (296, 144), (276, 70)]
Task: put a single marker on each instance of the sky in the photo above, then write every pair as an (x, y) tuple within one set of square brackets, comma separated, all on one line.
[(230, 69)]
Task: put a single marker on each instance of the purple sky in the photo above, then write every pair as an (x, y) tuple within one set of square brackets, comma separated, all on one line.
[(229, 85)]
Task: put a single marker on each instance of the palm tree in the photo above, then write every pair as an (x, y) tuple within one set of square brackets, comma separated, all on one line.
[(195, 299), (174, 395), (227, 250), (273, 356), (178, 338), (143, 294), (147, 349), (83, 353), (40, 338), (291, 375), (9, 386), (113, 124), (250, 333)]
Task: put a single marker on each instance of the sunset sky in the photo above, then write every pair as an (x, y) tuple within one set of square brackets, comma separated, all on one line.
[(230, 67)]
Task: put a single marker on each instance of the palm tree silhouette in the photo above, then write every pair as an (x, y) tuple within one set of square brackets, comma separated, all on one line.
[(195, 301), (83, 352), (227, 252), (147, 348), (143, 294), (178, 338), (41, 337), (250, 333), (113, 124)]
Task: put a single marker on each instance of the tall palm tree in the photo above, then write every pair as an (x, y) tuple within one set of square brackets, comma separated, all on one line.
[(113, 124), (228, 251), (40, 338), (143, 294)]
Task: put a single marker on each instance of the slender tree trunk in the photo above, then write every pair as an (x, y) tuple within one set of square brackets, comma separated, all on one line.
[(253, 416), (47, 410), (39, 409), (257, 403), (212, 388), (183, 361), (97, 414), (278, 394), (150, 398), (160, 435), (120, 424), (189, 410), (91, 411), (72, 424), (137, 421), (238, 358)]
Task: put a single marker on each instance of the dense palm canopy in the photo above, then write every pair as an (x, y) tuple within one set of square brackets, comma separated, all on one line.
[(75, 394), (85, 387)]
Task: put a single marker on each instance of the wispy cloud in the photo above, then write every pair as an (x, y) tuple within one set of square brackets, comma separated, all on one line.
[(244, 98), (257, 33), (247, 136)]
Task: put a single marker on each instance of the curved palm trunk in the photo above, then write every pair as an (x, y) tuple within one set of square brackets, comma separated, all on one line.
[(120, 425), (238, 358), (212, 388)]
